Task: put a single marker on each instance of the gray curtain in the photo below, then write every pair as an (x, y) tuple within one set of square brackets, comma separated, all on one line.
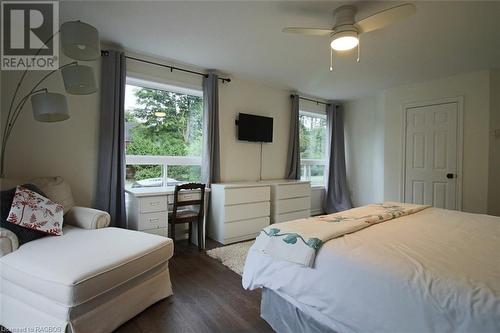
[(110, 192), (211, 147), (293, 159), (337, 193)]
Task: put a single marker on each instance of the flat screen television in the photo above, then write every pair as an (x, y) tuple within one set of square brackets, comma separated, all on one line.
[(255, 128)]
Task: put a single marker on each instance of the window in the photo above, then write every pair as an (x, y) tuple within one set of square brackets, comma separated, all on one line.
[(312, 138), (163, 134)]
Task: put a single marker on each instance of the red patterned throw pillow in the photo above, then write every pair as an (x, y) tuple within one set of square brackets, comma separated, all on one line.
[(33, 211)]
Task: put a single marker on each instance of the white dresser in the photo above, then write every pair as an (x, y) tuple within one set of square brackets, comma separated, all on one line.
[(239, 211), (290, 200)]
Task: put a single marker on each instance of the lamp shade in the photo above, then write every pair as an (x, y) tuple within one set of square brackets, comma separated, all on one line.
[(79, 80), (80, 41), (49, 107)]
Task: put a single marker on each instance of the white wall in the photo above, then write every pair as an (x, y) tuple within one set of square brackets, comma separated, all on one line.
[(475, 89), (364, 151), (69, 148), (373, 127), (308, 106), (241, 160), (379, 150), (494, 167)]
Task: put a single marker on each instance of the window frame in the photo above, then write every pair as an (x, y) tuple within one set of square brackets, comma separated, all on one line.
[(163, 160), (155, 83), (315, 161)]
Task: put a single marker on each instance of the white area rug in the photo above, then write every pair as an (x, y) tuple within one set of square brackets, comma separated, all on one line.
[(232, 256)]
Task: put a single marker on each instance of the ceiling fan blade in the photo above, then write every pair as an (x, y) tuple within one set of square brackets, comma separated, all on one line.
[(386, 17), (308, 31)]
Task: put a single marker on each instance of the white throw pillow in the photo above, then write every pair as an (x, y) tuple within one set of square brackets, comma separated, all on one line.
[(57, 190), (33, 211)]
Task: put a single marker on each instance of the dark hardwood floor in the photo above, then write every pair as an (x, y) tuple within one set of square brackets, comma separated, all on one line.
[(208, 297)]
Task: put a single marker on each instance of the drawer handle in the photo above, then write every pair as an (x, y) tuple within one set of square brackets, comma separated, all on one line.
[(157, 203), (154, 220)]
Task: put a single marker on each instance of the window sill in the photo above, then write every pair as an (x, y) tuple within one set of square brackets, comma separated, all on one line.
[(317, 187)]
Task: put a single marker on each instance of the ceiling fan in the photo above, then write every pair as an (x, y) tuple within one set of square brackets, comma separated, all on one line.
[(346, 30)]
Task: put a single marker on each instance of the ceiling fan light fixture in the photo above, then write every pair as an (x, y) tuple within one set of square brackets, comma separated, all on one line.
[(345, 40)]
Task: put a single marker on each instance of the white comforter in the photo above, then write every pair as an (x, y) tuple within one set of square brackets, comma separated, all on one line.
[(298, 241), (433, 271)]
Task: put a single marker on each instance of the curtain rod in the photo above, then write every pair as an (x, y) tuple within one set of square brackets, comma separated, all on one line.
[(310, 100), (172, 68)]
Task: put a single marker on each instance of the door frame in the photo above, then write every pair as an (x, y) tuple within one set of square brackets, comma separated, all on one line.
[(460, 139)]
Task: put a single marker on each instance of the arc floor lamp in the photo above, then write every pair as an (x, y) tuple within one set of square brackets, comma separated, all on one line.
[(79, 41)]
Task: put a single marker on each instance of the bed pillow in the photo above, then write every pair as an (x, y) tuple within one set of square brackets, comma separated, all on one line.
[(23, 235), (34, 211)]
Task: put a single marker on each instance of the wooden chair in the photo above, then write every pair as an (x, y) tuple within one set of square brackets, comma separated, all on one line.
[(188, 215)]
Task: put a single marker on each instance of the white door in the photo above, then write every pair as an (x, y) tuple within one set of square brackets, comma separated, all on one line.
[(431, 155)]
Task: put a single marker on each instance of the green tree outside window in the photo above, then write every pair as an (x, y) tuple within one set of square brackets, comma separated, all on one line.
[(164, 123)]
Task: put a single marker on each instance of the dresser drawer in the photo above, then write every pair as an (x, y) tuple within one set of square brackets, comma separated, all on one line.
[(152, 220), (188, 196), (245, 227), (159, 231), (234, 196), (152, 204), (278, 218), (246, 211), (286, 191), (291, 205)]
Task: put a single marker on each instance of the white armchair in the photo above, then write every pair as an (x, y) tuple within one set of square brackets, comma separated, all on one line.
[(93, 278), (87, 218), (58, 191), (8, 242), (80, 217)]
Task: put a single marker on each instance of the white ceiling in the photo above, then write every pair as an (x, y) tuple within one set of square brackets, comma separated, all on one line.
[(244, 38)]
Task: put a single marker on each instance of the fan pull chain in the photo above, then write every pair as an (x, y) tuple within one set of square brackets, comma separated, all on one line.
[(331, 60), (359, 49)]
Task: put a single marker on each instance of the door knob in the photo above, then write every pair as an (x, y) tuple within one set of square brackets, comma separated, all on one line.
[(450, 175)]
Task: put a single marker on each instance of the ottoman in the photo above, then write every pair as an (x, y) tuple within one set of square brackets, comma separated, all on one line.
[(83, 281)]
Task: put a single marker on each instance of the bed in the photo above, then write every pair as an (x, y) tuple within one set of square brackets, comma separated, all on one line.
[(432, 271)]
